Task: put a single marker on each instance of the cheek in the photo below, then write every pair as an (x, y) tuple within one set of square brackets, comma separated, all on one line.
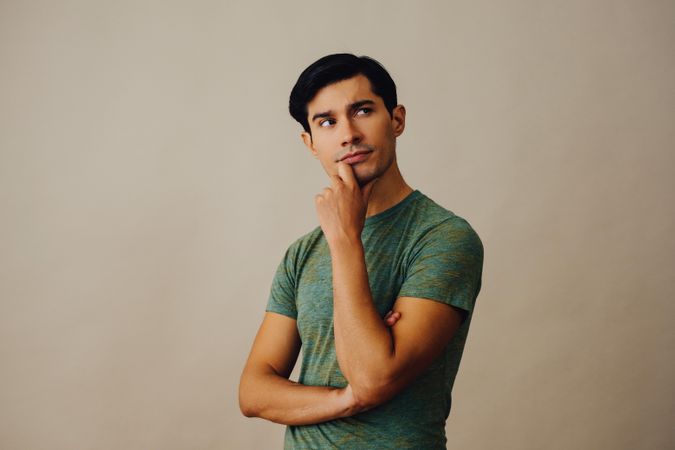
[(324, 154), (328, 164)]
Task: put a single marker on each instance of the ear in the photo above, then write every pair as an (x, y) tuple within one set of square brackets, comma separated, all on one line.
[(307, 139), (398, 119)]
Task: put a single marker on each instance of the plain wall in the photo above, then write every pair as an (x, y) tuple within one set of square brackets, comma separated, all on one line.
[(151, 179)]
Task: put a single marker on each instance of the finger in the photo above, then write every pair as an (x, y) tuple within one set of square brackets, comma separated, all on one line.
[(335, 181), (391, 321), (346, 173), (323, 194)]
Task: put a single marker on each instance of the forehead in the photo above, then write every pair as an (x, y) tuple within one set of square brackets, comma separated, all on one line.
[(339, 95)]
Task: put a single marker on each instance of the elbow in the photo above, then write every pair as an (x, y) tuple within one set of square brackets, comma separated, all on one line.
[(247, 412), (374, 392), (246, 409), (247, 404)]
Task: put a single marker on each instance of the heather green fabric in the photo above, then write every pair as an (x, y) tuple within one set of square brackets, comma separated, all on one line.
[(414, 249)]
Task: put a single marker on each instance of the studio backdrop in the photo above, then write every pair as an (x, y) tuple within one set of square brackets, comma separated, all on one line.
[(151, 179)]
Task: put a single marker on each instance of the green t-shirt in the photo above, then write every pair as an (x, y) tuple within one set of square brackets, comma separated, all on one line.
[(416, 248)]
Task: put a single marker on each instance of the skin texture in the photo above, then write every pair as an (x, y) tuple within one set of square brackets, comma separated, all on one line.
[(378, 357)]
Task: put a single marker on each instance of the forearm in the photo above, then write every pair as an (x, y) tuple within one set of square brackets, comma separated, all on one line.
[(364, 345), (275, 398)]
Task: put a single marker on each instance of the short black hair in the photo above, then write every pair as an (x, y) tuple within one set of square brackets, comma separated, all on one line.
[(337, 67)]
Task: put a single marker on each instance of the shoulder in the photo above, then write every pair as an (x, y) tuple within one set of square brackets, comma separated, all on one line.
[(436, 224), (298, 250)]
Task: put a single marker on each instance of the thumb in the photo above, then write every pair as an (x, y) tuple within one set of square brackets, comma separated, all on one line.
[(367, 189)]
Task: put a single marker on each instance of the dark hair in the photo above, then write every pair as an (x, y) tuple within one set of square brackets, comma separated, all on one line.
[(337, 67)]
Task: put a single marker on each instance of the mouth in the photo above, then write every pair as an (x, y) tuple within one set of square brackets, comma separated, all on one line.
[(353, 158), (356, 156)]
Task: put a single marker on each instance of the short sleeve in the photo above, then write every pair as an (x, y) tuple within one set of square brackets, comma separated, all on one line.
[(282, 294), (446, 265)]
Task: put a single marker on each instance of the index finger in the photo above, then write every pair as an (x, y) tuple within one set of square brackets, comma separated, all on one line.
[(346, 172)]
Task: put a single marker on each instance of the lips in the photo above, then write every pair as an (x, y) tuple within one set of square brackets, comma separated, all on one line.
[(351, 156)]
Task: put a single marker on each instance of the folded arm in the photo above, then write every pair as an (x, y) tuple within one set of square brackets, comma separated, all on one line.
[(265, 390), (378, 361)]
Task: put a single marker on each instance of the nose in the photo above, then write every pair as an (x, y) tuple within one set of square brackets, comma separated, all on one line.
[(352, 135)]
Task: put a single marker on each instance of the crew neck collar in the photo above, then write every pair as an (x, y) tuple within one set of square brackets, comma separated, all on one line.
[(393, 209)]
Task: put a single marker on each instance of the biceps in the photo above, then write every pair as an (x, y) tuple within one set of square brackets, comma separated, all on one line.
[(420, 335), (276, 346)]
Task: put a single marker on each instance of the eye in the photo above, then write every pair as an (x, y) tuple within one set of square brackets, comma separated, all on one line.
[(363, 111), (326, 122)]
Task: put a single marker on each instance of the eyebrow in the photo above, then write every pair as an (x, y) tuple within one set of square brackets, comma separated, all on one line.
[(351, 107)]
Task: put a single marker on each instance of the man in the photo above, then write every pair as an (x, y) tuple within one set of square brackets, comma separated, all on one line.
[(368, 379)]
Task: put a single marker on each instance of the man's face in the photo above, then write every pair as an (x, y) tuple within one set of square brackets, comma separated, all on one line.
[(348, 118)]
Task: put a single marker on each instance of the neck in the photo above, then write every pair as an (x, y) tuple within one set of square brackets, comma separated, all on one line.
[(389, 190)]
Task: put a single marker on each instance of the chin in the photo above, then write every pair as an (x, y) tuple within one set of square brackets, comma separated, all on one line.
[(364, 178)]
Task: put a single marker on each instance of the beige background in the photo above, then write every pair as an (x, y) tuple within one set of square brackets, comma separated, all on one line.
[(151, 178)]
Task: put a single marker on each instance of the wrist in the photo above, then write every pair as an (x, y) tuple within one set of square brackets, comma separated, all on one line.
[(345, 244)]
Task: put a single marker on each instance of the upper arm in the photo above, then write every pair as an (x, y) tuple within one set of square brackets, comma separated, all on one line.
[(276, 346), (419, 336), (446, 266)]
